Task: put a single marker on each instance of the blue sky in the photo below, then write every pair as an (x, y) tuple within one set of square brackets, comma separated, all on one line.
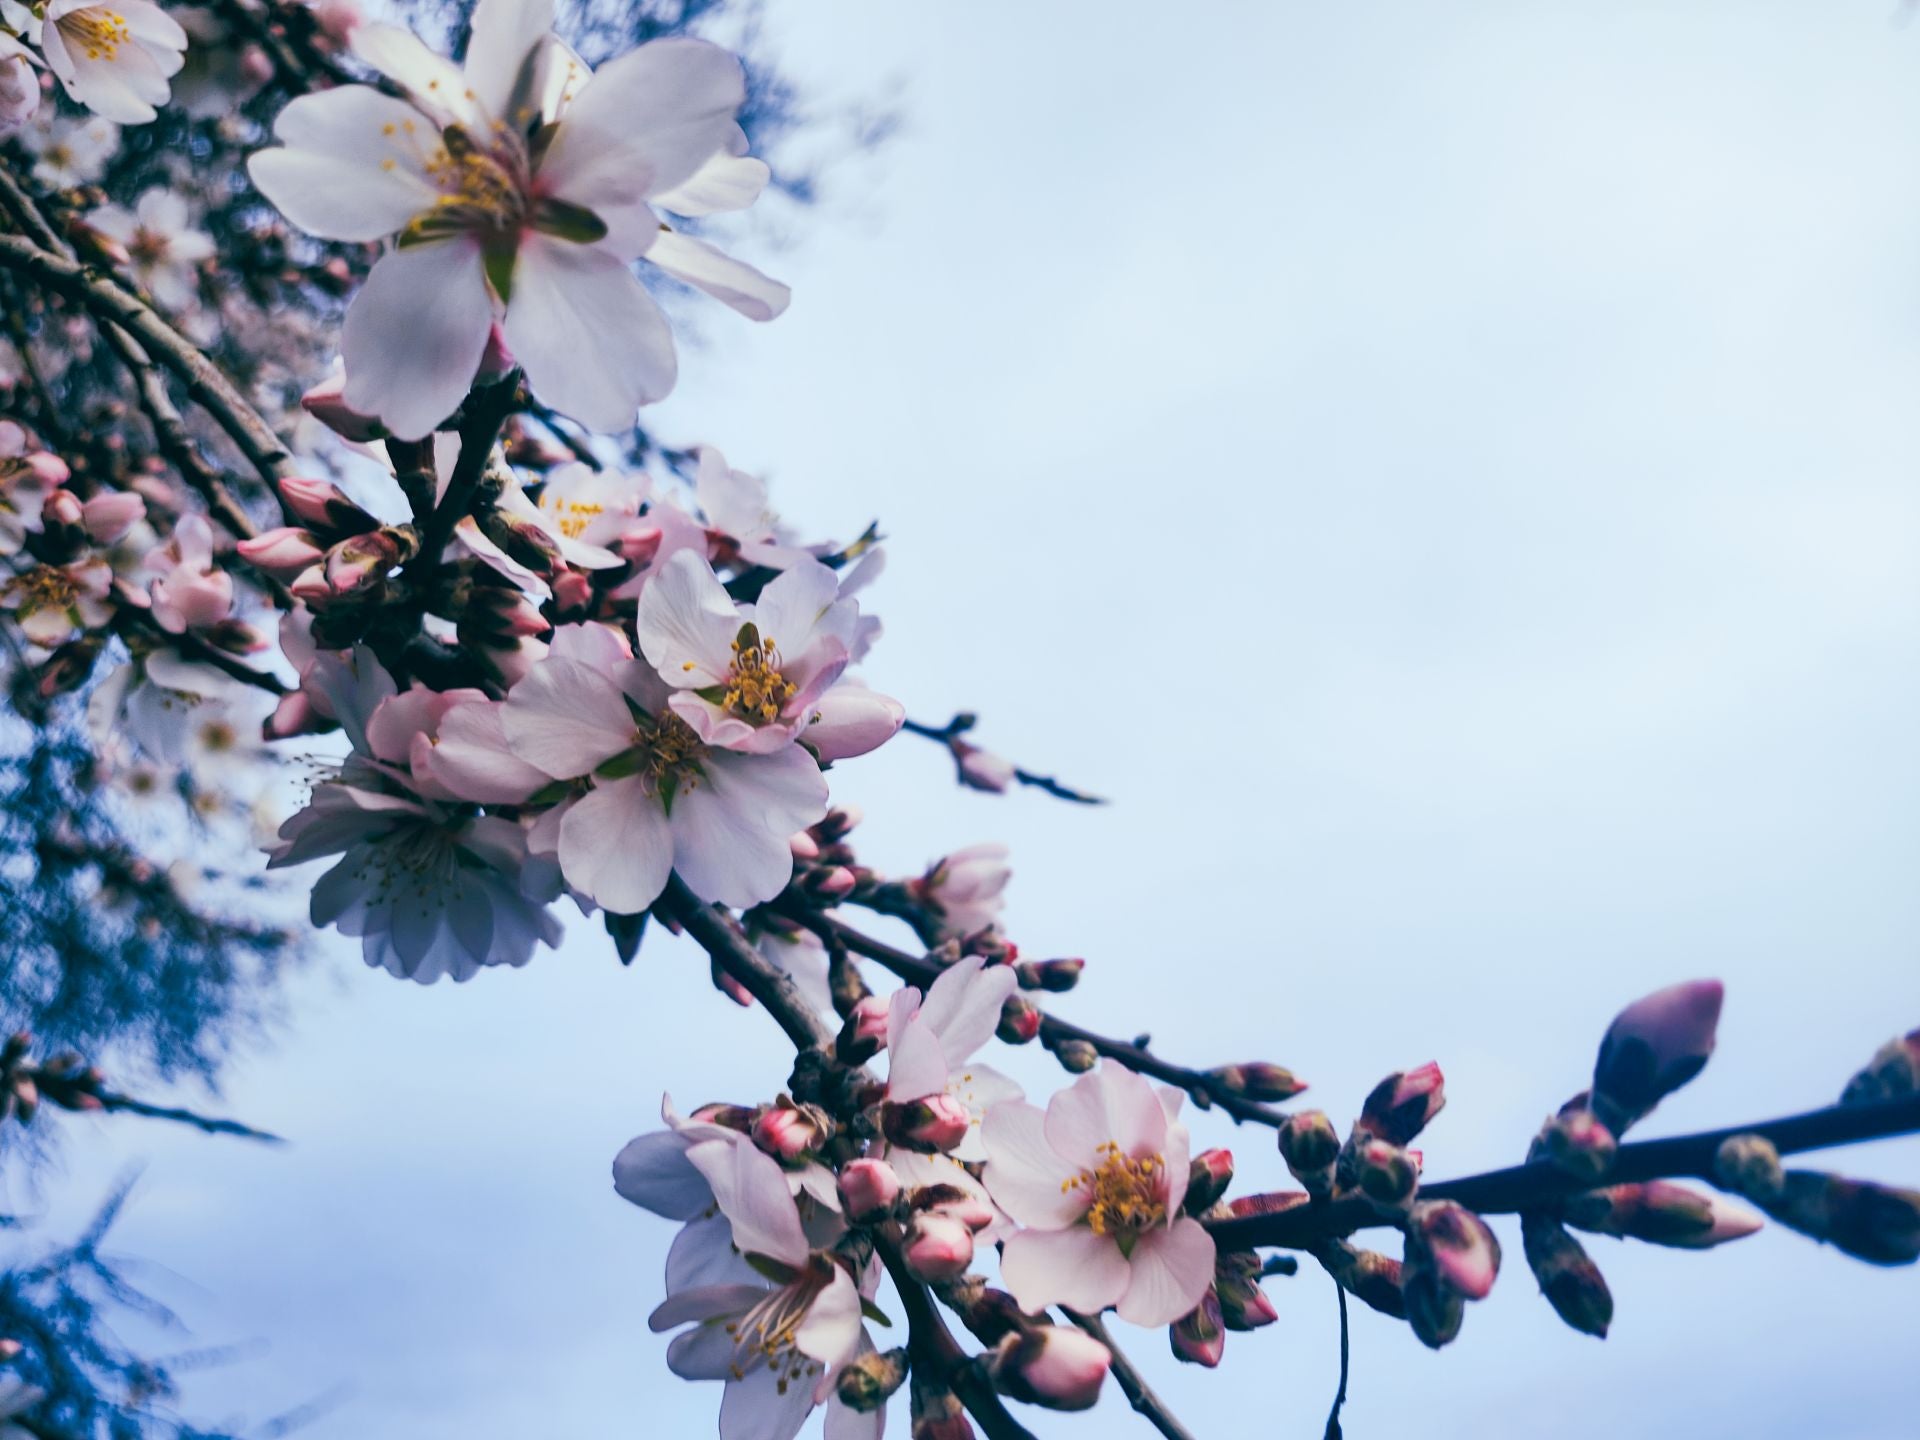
[(1450, 474)]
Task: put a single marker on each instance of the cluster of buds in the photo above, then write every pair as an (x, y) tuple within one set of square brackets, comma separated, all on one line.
[(1451, 1258), (1876, 1223), (1375, 1161), (337, 560)]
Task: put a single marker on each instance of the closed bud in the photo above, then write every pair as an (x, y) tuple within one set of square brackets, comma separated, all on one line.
[(981, 769), (326, 402), (1400, 1106), (1455, 1244), (1576, 1141), (864, 1032), (1569, 1279), (1236, 1282), (868, 1188), (323, 507), (1749, 1165), (937, 1246), (1076, 1056), (1054, 976), (1434, 1308), (67, 668), (792, 1133), (1876, 1223), (523, 540), (1051, 1365), (108, 516), (1019, 1020), (828, 883), (363, 562), (970, 1207), (1310, 1146), (929, 1125), (1208, 1176), (1654, 1046), (739, 1118), (1198, 1337), (868, 1381), (1894, 1071), (937, 1415), (62, 507), (1257, 1080), (1385, 1174), (284, 552), (498, 612), (1660, 1213), (572, 591), (1367, 1275), (839, 823)]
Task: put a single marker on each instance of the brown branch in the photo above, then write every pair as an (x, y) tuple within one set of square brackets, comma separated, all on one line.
[(1521, 1187), (1132, 1384), (1206, 1089), (935, 1354)]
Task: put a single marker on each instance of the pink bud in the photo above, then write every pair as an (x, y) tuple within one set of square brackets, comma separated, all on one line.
[(1051, 1365), (869, 1017), (934, 1123), (282, 552), (937, 1247), (1654, 1046), (294, 715), (868, 1187), (792, 1133), (311, 586), (982, 769), (1401, 1105), (803, 846), (1457, 1244), (50, 468), (324, 506), (1208, 1176), (110, 515), (833, 882), (639, 543), (327, 403), (62, 507), (1661, 1213), (1019, 1020), (572, 589), (1199, 1338)]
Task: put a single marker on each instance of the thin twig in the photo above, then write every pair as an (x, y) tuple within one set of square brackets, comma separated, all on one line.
[(1521, 1187), (1340, 1395), (949, 736), (207, 1124), (1132, 1384)]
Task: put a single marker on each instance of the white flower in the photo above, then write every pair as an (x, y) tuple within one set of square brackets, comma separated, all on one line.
[(1098, 1180), (931, 1042), (966, 888), (779, 1330), (54, 602), (430, 889), (113, 56), (756, 677), (163, 700), (24, 488), (511, 197), (653, 1172), (19, 83), (189, 591), (69, 152), (164, 248)]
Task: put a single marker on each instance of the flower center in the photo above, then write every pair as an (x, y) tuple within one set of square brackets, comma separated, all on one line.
[(756, 690), (665, 750), (148, 247), (764, 1335), (97, 32), (41, 588), (571, 517), (1129, 1195), (481, 190)]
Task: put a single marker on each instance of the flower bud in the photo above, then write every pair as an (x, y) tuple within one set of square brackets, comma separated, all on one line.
[(1310, 1146), (1660, 1213), (294, 715), (327, 403), (1054, 976), (1051, 1365), (363, 562), (868, 1381), (1894, 1071), (1208, 1175), (1198, 1337), (970, 1207), (1403, 1104), (324, 508), (868, 1188), (929, 1125), (938, 1415), (1455, 1244), (1236, 1283), (1382, 1172), (792, 1133), (498, 612), (981, 769), (1434, 1308), (738, 1118), (282, 552), (572, 591), (1876, 1223), (1654, 1046), (1576, 1141), (1257, 1080), (1076, 1056), (1367, 1275), (864, 1033), (1570, 1280), (828, 883), (1749, 1165), (109, 515), (525, 542), (1019, 1020), (936, 1246)]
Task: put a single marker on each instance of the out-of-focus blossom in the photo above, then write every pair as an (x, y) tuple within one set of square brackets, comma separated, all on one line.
[(1097, 1180), (965, 889), (19, 83), (164, 249), (222, 70), (190, 592), (515, 190), (931, 1042), (114, 58), (52, 603)]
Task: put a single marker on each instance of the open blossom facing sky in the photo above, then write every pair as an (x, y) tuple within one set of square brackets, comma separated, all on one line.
[(519, 189)]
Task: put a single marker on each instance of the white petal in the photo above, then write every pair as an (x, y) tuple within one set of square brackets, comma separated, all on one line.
[(752, 1193), (1112, 1104), (760, 1407), (963, 1005), (615, 847), (732, 282), (725, 182), (1073, 1267), (653, 1172), (730, 832), (831, 1331), (1024, 1175), (1170, 1271), (687, 623), (566, 719), (339, 173), (503, 35), (592, 341), (415, 333)]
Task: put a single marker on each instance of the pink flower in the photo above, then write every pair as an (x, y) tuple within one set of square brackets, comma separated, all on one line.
[(1097, 1179), (931, 1042), (191, 592)]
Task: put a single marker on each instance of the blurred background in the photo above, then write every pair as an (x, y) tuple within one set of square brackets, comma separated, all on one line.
[(1451, 476)]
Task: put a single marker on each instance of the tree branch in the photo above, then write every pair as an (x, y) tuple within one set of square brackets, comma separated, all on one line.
[(1521, 1187), (1132, 1384)]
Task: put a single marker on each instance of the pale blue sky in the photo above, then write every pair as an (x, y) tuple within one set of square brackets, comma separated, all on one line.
[(1451, 474)]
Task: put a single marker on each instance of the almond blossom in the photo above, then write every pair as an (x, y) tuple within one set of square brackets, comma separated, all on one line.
[(115, 57), (189, 591), (164, 249), (70, 150), (19, 83), (931, 1040), (431, 889), (779, 1331), (518, 189), (52, 603), (1097, 1180)]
